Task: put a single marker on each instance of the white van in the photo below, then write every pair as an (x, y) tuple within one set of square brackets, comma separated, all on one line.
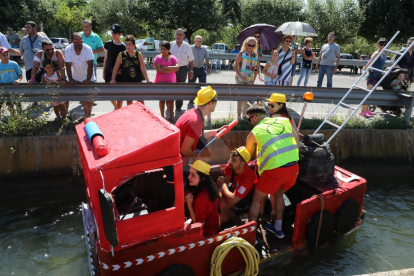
[(139, 43), (220, 48)]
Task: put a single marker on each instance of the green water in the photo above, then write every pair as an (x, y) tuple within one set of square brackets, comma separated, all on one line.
[(43, 235)]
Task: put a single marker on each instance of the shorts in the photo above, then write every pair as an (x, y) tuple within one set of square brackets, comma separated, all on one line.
[(293, 72), (243, 205), (283, 177), (371, 81)]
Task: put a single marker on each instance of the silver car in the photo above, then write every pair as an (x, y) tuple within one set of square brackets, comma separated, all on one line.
[(60, 43)]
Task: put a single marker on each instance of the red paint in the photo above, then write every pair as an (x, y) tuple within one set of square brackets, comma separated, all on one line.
[(227, 129)]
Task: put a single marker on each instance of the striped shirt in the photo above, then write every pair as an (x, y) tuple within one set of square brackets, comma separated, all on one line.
[(285, 67)]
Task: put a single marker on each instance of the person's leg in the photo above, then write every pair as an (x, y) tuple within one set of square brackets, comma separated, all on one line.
[(302, 74), (56, 109), (292, 73), (161, 105), (95, 67), (114, 104), (131, 102), (280, 207), (85, 109), (138, 101), (202, 76), (228, 213), (119, 104), (307, 74), (244, 108), (321, 75), (90, 105), (329, 75), (63, 111), (181, 75), (258, 197), (171, 109), (254, 77), (239, 108)]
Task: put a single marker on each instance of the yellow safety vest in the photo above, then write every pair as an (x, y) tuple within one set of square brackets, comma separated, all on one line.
[(276, 145)]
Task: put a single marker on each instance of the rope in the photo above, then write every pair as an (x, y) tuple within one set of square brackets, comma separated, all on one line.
[(249, 253), (320, 218)]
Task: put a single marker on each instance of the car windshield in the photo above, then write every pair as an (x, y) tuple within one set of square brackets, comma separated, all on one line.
[(64, 40), (54, 40)]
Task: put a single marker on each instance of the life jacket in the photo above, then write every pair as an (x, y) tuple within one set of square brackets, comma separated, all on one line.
[(276, 145)]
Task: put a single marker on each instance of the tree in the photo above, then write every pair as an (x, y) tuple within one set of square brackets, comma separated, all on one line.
[(273, 12), (70, 16), (343, 17), (385, 17)]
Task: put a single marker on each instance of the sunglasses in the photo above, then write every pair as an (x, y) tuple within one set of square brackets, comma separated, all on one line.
[(288, 41), (250, 118), (77, 41), (271, 105), (249, 45), (257, 36), (48, 50), (382, 43)]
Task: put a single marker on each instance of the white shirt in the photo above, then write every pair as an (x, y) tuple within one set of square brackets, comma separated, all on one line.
[(4, 42), (184, 54), (79, 62)]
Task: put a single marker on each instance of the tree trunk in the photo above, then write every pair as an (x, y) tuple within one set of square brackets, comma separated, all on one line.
[(70, 31), (188, 34)]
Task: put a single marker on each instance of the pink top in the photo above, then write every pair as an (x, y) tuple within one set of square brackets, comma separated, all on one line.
[(170, 77)]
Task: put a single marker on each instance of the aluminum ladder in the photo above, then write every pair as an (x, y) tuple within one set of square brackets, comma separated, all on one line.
[(341, 102)]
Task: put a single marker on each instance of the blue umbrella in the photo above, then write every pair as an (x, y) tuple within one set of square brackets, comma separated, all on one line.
[(269, 38)]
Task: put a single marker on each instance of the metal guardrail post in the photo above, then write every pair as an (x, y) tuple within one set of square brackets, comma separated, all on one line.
[(408, 112)]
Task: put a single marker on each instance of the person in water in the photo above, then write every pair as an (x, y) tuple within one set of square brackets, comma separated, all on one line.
[(203, 199)]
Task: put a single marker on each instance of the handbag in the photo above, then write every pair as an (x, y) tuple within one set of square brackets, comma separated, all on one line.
[(280, 65), (307, 65)]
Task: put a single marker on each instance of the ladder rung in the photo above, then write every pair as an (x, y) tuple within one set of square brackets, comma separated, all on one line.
[(379, 70), (394, 52), (332, 124), (362, 88), (346, 105)]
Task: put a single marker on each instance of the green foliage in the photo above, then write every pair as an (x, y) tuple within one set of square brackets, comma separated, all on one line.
[(227, 35), (70, 16), (344, 17), (385, 17), (358, 45), (273, 12)]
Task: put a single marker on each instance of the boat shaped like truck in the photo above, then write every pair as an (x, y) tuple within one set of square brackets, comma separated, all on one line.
[(134, 221)]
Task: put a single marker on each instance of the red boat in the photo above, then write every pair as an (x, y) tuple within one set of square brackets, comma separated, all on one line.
[(131, 228)]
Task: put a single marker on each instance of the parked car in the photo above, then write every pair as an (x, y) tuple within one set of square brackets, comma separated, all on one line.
[(60, 43), (208, 49), (220, 48), (141, 47), (345, 56)]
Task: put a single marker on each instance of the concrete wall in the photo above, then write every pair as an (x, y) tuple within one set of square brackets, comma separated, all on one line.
[(59, 155)]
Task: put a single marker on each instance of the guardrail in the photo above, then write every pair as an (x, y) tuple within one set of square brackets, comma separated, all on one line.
[(346, 62), (188, 91)]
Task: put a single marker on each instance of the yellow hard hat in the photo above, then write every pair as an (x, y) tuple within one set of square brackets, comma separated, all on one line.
[(277, 98), (201, 166), (244, 153), (205, 95)]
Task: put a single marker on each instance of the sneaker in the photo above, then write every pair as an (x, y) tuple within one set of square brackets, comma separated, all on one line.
[(370, 113), (364, 114), (271, 228)]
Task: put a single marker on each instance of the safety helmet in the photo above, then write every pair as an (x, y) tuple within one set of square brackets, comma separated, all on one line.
[(201, 166), (205, 95), (244, 153), (277, 98)]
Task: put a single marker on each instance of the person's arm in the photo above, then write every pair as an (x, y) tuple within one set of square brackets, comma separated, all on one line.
[(236, 66), (293, 61), (190, 73), (207, 57), (189, 200), (42, 79), (69, 73), (19, 79), (338, 58), (251, 143), (14, 51), (318, 62), (171, 68), (212, 132), (99, 50), (103, 71), (143, 69), (161, 69), (59, 76), (230, 197), (186, 147), (90, 72), (116, 68), (259, 71), (61, 61), (265, 70), (374, 55)]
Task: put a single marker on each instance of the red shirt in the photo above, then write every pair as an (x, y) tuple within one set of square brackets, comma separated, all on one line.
[(191, 124), (207, 211), (243, 184)]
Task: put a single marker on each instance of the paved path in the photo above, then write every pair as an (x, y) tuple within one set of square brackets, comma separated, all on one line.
[(227, 109)]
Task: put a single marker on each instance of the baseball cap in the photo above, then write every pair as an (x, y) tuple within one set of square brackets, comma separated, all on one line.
[(116, 29), (150, 33), (9, 28), (3, 49)]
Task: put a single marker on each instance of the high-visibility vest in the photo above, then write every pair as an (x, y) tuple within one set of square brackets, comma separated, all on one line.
[(276, 145)]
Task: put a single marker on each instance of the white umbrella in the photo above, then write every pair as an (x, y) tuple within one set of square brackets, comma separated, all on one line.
[(296, 28)]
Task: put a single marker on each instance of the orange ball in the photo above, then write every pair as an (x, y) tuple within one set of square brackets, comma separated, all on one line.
[(308, 96)]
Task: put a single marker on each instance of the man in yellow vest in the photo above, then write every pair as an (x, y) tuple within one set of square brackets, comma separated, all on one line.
[(277, 155)]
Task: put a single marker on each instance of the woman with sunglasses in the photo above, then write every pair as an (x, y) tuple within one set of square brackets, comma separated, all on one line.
[(277, 108), (374, 76), (245, 64), (285, 61)]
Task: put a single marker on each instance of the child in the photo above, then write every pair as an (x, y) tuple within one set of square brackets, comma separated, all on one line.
[(166, 66), (203, 201), (112, 50), (10, 72), (51, 76), (131, 64), (398, 81), (270, 69)]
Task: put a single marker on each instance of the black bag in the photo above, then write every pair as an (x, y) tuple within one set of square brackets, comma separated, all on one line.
[(307, 65)]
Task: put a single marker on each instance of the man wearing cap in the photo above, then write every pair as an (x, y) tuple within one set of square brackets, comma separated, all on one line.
[(13, 38), (239, 176), (112, 50), (4, 43), (191, 125), (149, 41), (277, 156)]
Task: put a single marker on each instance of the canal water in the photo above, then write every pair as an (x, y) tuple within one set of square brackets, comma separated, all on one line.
[(43, 235)]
